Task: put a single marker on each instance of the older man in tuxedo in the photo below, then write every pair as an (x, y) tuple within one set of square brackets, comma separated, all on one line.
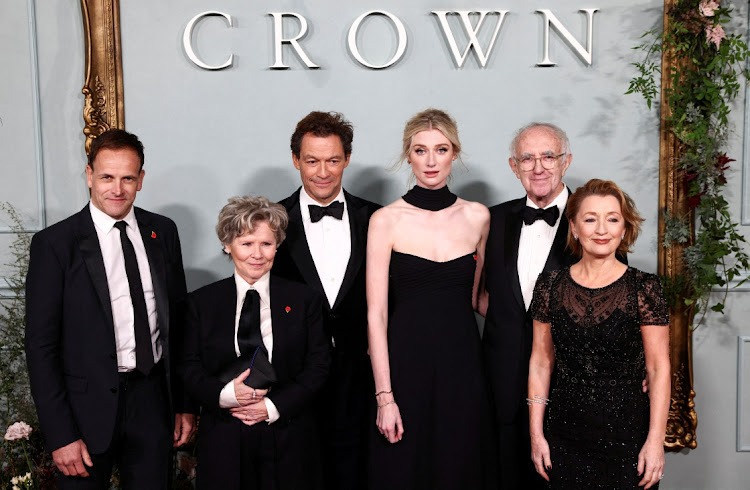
[(325, 249), (527, 236), (103, 292)]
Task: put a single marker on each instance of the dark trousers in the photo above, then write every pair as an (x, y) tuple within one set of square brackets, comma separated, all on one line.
[(142, 440), (345, 421), (516, 468)]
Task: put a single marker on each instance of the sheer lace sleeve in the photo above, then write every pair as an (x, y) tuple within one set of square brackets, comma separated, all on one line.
[(540, 302), (652, 306)]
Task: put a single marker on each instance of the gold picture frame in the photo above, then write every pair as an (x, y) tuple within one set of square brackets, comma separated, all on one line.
[(104, 109)]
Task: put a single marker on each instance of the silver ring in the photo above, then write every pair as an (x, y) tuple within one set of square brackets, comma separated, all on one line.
[(253, 393)]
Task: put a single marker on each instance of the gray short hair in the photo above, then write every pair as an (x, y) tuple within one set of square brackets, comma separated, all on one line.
[(561, 136), (241, 214)]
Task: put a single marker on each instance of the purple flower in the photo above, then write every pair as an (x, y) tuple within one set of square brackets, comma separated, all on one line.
[(19, 430)]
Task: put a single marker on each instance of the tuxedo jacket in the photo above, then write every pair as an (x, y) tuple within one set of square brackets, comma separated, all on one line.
[(70, 338), (508, 328), (346, 321), (300, 358)]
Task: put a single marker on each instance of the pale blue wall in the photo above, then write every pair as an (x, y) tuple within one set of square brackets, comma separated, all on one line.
[(210, 135)]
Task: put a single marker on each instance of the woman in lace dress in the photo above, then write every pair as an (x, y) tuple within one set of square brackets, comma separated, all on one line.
[(603, 326)]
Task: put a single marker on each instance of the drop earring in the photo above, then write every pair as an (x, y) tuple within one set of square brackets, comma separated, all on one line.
[(575, 237)]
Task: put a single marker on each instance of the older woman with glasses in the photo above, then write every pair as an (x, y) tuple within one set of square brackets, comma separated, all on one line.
[(254, 359)]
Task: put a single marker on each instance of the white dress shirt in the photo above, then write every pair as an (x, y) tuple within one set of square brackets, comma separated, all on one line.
[(534, 246), (227, 397), (330, 244), (119, 290)]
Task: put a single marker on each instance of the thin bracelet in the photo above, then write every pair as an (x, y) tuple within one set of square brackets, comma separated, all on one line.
[(383, 393), (386, 403)]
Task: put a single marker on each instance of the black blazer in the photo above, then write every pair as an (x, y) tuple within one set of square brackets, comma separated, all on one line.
[(300, 353), (300, 358), (346, 322), (70, 340), (508, 328)]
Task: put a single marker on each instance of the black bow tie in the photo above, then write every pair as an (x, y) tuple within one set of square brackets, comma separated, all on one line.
[(334, 210), (549, 215)]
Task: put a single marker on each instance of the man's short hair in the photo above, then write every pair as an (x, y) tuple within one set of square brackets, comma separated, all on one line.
[(115, 139), (323, 124), (559, 133)]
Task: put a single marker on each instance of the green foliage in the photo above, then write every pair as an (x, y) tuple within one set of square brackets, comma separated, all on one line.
[(15, 397), (701, 85)]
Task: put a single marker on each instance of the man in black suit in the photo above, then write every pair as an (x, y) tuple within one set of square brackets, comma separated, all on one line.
[(103, 294), (527, 236), (325, 249)]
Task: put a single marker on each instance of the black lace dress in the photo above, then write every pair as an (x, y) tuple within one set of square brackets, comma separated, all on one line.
[(598, 416)]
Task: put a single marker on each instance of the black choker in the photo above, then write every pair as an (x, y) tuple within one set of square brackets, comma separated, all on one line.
[(430, 199)]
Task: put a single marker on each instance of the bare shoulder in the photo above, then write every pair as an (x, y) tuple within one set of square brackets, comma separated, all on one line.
[(387, 216), (475, 211)]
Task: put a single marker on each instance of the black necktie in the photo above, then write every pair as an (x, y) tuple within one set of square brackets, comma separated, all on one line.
[(549, 215), (144, 354), (335, 210), (248, 328)]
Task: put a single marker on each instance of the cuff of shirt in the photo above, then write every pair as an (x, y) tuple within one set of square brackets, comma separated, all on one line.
[(273, 412), (227, 397)]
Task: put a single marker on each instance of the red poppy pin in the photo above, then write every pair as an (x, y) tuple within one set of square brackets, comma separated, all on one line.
[(153, 234), (288, 309), (475, 256)]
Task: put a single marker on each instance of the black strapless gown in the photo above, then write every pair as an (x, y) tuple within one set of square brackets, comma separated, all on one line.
[(436, 376)]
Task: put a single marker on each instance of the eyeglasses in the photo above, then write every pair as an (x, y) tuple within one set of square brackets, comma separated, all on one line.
[(527, 162)]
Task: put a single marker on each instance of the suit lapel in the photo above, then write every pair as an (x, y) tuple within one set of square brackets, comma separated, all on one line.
[(155, 253), (299, 250), (88, 243), (281, 319), (226, 310), (358, 222), (556, 259), (513, 223)]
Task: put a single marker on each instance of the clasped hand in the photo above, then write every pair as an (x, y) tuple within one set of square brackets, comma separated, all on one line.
[(252, 407)]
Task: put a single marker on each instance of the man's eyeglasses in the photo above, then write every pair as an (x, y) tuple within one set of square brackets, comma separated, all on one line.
[(528, 162)]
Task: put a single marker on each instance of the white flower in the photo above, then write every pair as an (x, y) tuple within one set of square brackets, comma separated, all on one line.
[(708, 7), (19, 430)]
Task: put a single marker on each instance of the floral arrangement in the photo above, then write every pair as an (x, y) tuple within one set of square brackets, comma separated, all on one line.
[(697, 92)]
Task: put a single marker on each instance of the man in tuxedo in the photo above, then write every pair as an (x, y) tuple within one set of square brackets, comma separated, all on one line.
[(527, 236), (325, 248), (104, 292)]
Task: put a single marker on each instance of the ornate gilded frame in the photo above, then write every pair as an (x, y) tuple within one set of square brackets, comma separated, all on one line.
[(104, 109)]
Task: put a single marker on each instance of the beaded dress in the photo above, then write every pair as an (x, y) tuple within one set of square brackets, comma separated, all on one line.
[(597, 419)]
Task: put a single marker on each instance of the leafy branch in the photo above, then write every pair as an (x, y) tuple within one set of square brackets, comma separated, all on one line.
[(700, 88)]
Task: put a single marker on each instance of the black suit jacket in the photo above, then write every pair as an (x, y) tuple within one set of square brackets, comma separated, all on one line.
[(300, 358), (346, 321), (507, 334), (70, 339), (300, 353)]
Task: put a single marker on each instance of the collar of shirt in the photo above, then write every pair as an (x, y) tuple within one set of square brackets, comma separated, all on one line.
[(305, 200), (560, 201), (262, 285), (105, 222)]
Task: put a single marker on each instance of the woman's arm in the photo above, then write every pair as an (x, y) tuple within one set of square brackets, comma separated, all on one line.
[(379, 247), (479, 296), (656, 348), (540, 372)]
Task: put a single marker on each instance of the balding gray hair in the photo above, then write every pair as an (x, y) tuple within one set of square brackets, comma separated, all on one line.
[(559, 133)]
